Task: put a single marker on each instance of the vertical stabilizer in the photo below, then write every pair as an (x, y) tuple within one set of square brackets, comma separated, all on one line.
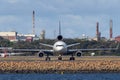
[(59, 28), (59, 37)]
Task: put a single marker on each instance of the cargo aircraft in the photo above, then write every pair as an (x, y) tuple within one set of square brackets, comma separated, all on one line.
[(60, 48), (7, 51)]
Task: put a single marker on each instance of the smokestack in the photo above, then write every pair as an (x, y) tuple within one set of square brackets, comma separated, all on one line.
[(97, 31), (33, 20), (111, 25), (42, 35)]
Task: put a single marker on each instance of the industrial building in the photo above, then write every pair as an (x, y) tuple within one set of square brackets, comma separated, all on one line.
[(42, 35), (98, 34), (26, 37), (12, 36), (117, 38)]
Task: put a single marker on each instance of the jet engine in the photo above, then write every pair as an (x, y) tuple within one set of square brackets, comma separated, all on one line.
[(60, 37), (78, 53), (41, 54)]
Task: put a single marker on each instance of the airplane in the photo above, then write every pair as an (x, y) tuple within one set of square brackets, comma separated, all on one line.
[(60, 48), (9, 54), (4, 52)]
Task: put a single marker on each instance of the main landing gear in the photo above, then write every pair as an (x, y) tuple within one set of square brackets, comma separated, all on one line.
[(72, 58), (47, 58)]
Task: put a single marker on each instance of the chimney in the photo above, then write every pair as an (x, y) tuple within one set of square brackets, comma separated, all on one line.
[(111, 30), (97, 31), (33, 20)]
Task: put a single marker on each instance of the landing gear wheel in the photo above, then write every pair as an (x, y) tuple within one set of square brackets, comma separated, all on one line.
[(47, 58), (72, 58), (60, 58)]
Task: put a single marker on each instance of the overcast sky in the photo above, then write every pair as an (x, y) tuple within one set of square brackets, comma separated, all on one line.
[(77, 16)]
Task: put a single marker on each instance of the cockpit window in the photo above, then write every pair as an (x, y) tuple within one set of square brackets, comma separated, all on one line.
[(58, 45)]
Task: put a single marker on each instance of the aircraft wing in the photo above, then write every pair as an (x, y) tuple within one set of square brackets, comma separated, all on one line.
[(22, 50), (32, 50), (46, 45), (8, 48), (26, 50), (11, 49), (73, 44), (95, 49), (14, 53)]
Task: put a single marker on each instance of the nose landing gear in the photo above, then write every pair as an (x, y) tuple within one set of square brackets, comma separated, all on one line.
[(60, 57)]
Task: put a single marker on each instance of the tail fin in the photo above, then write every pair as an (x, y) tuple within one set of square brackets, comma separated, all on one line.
[(59, 37), (59, 28)]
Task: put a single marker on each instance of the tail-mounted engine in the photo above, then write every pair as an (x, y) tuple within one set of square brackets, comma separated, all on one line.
[(78, 53), (41, 54), (60, 37)]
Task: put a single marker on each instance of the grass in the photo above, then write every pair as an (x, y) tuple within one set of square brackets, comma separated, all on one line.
[(35, 64)]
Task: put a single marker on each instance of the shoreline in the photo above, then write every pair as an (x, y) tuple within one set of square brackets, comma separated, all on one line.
[(56, 72)]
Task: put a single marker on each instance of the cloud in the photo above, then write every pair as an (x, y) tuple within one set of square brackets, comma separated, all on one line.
[(85, 6), (77, 25), (77, 16)]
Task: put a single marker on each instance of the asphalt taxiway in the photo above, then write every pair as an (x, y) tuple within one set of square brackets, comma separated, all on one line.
[(55, 58)]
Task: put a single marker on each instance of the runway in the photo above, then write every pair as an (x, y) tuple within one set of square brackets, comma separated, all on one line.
[(55, 58)]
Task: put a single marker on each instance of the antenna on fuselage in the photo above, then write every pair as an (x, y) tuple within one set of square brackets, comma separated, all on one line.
[(59, 37)]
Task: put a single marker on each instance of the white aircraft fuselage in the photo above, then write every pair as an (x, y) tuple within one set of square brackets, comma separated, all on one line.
[(60, 47)]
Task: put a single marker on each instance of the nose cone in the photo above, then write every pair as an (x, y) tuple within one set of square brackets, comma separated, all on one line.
[(61, 48)]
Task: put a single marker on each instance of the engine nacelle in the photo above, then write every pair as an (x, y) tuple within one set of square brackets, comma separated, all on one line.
[(60, 37), (78, 53), (41, 54)]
